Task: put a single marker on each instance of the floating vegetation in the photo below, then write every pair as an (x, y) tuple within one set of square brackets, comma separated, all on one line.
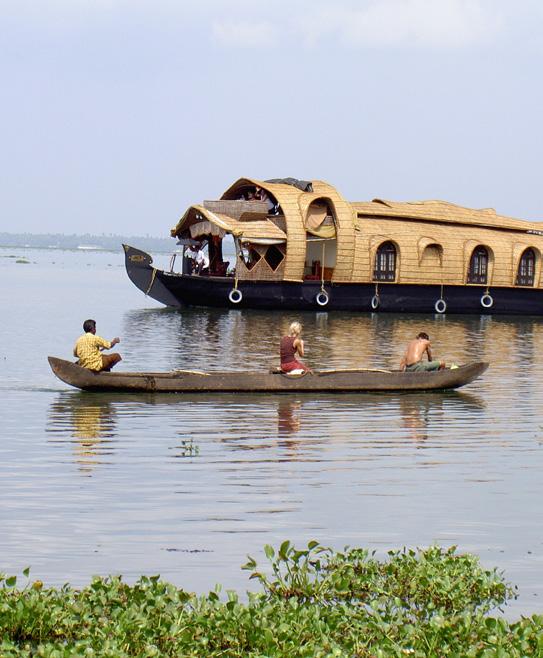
[(24, 261), (313, 603), (188, 449)]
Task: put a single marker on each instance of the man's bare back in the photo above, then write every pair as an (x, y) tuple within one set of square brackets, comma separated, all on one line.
[(415, 352)]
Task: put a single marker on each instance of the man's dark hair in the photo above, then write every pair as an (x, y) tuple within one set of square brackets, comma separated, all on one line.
[(89, 325), (423, 335)]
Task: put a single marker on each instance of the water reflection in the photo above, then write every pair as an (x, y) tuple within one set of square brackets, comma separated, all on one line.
[(420, 412), (288, 416), (232, 473), (415, 418), (89, 420), (304, 425), (218, 339)]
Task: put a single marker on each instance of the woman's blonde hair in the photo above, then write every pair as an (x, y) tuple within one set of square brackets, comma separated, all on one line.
[(295, 329)]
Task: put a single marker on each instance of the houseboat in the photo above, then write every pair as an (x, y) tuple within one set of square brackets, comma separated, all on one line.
[(300, 245)]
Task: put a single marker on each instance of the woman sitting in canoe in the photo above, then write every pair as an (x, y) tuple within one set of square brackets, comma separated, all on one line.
[(291, 346)]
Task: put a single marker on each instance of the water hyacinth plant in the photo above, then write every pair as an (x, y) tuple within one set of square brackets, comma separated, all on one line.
[(313, 602)]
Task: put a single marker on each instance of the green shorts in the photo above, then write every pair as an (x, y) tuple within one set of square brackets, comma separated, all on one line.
[(423, 366)]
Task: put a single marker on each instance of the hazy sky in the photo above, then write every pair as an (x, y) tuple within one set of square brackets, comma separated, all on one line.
[(118, 114)]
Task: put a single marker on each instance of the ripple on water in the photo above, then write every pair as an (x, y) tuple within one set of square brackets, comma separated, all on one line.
[(187, 485)]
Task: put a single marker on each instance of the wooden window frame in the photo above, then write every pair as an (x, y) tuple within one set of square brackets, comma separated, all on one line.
[(478, 265), (526, 269), (386, 258)]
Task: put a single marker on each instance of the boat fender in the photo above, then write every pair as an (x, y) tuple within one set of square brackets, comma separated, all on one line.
[(375, 302), (322, 298), (235, 296), (487, 301), (440, 306)]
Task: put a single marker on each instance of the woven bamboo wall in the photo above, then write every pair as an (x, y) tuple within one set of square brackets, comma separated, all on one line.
[(236, 208), (294, 204), (457, 244), (261, 271), (287, 196)]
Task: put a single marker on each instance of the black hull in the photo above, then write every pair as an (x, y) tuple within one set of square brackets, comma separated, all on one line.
[(179, 290)]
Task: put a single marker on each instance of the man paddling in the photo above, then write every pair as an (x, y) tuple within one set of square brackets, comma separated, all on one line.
[(412, 359), (88, 349)]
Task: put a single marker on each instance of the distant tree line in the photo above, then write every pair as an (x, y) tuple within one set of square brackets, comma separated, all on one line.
[(73, 241)]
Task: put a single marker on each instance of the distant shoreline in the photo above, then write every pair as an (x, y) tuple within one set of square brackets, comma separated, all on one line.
[(85, 242)]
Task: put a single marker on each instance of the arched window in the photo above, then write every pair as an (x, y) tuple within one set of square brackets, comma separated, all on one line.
[(478, 265), (526, 268), (385, 263)]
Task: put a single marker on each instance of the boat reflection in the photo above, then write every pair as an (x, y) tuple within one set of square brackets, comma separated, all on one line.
[(419, 413), (298, 428), (88, 422)]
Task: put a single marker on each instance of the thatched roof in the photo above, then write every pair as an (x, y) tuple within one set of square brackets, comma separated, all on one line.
[(200, 221), (442, 211)]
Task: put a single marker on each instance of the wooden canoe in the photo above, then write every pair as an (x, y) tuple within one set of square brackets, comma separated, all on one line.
[(191, 381)]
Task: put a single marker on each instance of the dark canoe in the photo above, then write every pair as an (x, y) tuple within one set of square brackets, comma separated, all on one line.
[(190, 381)]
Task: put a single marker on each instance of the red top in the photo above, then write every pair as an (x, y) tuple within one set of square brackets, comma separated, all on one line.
[(288, 351)]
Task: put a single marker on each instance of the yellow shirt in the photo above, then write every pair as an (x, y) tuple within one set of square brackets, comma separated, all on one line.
[(87, 350)]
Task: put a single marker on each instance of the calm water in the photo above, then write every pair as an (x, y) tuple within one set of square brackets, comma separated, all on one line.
[(187, 486)]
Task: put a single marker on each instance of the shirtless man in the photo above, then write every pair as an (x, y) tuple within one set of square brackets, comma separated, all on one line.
[(412, 359)]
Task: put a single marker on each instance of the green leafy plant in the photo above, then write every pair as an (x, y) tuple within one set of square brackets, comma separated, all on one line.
[(314, 602)]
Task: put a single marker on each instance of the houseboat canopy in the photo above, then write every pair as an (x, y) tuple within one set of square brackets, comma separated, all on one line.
[(199, 222)]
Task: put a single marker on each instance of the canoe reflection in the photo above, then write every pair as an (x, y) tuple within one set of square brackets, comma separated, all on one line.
[(87, 421), (418, 413), (303, 427)]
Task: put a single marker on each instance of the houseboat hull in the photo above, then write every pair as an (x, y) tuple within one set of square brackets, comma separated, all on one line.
[(180, 290)]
